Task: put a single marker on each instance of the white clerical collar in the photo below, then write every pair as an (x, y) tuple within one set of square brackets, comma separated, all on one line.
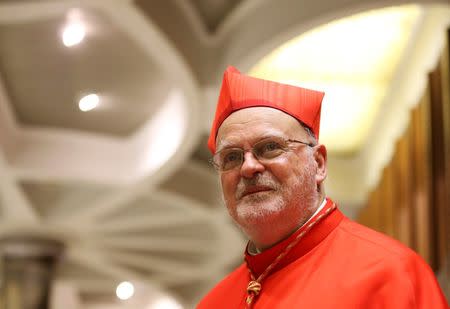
[(324, 202), (252, 250)]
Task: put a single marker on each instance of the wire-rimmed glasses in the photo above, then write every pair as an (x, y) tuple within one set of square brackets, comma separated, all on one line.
[(264, 151)]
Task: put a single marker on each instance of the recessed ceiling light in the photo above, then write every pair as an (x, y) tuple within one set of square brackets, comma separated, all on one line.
[(73, 34), (88, 102), (125, 290)]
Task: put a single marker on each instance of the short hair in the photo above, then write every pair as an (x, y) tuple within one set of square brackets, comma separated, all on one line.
[(308, 130)]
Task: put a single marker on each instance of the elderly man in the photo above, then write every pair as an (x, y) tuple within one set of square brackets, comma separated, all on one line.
[(302, 251)]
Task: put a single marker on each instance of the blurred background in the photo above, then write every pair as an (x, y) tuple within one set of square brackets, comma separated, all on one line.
[(106, 195)]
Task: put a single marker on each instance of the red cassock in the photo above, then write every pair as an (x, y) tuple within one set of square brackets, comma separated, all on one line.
[(337, 264)]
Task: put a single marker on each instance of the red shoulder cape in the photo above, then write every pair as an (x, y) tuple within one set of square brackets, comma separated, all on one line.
[(338, 264)]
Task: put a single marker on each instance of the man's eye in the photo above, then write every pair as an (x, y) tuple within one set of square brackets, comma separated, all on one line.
[(270, 146), (230, 157), (270, 149)]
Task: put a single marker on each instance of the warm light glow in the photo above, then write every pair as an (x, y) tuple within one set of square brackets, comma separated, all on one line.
[(353, 60), (89, 102), (167, 131), (165, 303), (73, 34), (125, 290)]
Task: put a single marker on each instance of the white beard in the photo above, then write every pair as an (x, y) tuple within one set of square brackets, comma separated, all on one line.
[(299, 200), (258, 206)]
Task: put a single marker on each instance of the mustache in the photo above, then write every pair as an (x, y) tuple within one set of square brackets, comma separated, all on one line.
[(258, 180)]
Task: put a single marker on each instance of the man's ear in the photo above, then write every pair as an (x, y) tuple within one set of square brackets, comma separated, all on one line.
[(320, 156)]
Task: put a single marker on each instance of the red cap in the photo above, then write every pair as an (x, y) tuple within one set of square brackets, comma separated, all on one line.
[(240, 91)]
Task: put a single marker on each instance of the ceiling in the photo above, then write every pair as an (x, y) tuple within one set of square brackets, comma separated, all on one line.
[(353, 60), (127, 186)]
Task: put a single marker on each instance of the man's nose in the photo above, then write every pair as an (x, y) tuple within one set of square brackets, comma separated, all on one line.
[(250, 165)]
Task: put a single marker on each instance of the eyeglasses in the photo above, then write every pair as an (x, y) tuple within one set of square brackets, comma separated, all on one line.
[(264, 151)]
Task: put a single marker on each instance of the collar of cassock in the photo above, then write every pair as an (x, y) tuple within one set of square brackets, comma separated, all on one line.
[(259, 262)]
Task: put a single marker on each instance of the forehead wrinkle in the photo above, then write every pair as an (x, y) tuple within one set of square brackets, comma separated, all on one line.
[(232, 142), (252, 124)]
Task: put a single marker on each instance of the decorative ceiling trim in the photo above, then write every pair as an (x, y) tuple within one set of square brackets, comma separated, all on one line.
[(247, 43), (206, 37), (212, 39), (96, 158)]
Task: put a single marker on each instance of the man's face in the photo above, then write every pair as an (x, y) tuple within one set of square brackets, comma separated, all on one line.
[(282, 191)]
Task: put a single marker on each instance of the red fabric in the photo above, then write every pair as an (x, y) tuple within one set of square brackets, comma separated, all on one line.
[(239, 91), (338, 264)]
